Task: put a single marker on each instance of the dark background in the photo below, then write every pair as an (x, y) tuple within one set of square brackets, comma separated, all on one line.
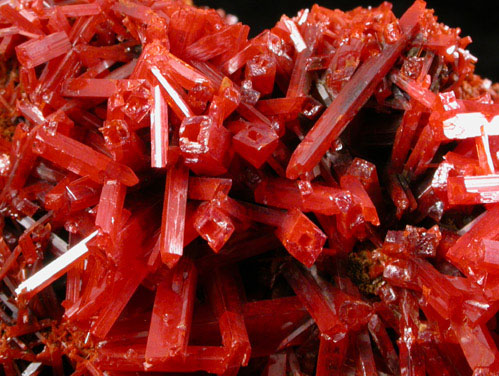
[(476, 18)]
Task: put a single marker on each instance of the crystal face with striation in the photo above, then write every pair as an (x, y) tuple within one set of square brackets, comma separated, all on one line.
[(179, 197)]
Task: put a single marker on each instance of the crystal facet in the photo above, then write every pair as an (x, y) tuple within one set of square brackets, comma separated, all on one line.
[(329, 193)]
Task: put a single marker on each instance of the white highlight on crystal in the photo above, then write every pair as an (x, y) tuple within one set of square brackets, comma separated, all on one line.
[(486, 146), (26, 222), (32, 369), (56, 268), (5, 300), (467, 125), (485, 185), (171, 91), (470, 225), (303, 17), (156, 125), (450, 50), (295, 35)]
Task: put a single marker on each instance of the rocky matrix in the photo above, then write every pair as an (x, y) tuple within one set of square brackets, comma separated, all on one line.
[(321, 199)]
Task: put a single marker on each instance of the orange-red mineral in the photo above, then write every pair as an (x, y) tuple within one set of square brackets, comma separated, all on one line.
[(177, 197)]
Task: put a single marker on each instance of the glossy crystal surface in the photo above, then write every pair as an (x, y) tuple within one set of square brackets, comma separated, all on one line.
[(178, 197)]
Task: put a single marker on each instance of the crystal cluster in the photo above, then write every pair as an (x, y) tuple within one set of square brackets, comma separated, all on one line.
[(176, 197)]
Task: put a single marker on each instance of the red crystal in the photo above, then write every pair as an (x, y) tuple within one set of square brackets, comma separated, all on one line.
[(39, 51), (174, 209), (179, 197), (109, 212), (352, 97), (301, 237), (170, 326), (205, 145), (159, 130), (81, 159)]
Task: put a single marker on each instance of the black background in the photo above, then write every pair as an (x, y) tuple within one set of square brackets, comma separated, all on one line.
[(476, 18)]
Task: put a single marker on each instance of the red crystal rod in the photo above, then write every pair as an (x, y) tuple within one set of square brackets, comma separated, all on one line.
[(80, 10), (174, 210), (415, 90), (351, 98), (110, 208), (172, 313), (465, 190), (90, 88), (38, 51), (81, 159), (180, 106), (159, 130)]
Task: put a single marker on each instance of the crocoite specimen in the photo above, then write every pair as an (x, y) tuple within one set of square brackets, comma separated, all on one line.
[(176, 197)]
